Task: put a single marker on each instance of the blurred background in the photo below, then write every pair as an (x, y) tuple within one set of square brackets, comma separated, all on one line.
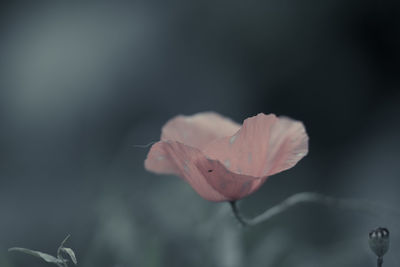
[(82, 83)]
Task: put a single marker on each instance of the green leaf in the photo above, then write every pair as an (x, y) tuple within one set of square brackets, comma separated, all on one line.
[(46, 257), (71, 254)]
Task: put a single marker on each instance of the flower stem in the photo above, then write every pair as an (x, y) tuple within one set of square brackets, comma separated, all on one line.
[(241, 220), (379, 262), (310, 197), (59, 255)]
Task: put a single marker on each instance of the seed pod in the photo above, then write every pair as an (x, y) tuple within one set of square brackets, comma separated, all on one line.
[(379, 241)]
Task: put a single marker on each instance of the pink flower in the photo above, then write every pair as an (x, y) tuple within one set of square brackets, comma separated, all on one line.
[(222, 160)]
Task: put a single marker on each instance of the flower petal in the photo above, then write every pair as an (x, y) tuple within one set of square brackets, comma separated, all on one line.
[(159, 161), (198, 130), (265, 145), (209, 178)]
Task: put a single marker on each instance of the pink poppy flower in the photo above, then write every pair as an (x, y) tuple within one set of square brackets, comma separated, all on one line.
[(222, 160)]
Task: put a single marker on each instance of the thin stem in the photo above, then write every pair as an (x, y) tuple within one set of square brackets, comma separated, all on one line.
[(59, 255), (241, 220), (310, 197), (379, 262), (61, 246)]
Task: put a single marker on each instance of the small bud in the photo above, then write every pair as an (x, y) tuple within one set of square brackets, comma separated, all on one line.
[(379, 241)]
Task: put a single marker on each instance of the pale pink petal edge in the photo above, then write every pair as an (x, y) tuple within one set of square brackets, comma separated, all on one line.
[(209, 178), (199, 129)]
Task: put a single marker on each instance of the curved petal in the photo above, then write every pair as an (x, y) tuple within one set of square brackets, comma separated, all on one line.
[(209, 178), (288, 145), (159, 161), (265, 145), (198, 130)]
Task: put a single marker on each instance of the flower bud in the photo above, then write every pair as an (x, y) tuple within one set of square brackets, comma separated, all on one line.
[(379, 241)]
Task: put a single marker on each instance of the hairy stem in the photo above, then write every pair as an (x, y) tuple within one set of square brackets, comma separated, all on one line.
[(310, 197)]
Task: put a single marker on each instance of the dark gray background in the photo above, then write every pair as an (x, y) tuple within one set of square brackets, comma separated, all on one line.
[(82, 83)]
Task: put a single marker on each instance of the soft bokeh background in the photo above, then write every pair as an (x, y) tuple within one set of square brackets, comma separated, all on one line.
[(82, 83)]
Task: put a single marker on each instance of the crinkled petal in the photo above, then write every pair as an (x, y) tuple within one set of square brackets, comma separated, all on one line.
[(265, 145), (209, 178), (198, 130)]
